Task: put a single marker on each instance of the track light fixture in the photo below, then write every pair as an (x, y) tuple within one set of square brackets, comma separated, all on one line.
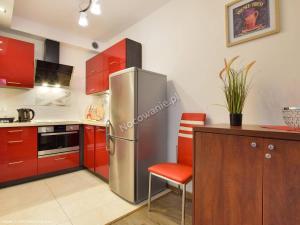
[(94, 7)]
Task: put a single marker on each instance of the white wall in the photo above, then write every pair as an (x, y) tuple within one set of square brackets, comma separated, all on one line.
[(11, 99), (186, 41)]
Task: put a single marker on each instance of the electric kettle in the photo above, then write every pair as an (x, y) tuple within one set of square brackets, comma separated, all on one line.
[(25, 115)]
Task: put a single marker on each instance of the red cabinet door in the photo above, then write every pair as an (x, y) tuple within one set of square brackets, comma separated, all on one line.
[(94, 83), (116, 57), (95, 80), (89, 147), (18, 154), (101, 155), (16, 63), (58, 162)]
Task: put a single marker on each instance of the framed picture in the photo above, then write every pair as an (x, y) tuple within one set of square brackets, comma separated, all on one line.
[(247, 20)]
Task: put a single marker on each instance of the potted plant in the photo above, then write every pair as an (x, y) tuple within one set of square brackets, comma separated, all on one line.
[(236, 89)]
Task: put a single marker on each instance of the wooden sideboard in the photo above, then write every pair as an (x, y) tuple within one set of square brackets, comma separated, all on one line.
[(246, 176)]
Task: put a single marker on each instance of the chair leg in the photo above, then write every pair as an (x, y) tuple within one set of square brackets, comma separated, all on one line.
[(183, 205), (149, 193)]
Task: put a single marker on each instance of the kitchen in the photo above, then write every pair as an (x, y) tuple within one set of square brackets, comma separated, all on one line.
[(76, 87)]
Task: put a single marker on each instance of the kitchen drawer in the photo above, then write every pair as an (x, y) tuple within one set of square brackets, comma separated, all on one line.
[(19, 144), (14, 170), (58, 162), (19, 133)]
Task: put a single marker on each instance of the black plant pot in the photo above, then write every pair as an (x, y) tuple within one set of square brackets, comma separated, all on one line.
[(236, 119)]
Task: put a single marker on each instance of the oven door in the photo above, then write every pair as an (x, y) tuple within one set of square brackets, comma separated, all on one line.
[(58, 142)]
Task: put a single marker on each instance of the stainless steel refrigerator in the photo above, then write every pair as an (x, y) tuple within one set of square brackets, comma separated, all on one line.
[(137, 131)]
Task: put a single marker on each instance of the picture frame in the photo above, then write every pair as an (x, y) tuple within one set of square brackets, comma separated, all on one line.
[(247, 20)]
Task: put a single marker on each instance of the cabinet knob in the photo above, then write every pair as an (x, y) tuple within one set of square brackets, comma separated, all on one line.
[(268, 156), (253, 144), (271, 147)]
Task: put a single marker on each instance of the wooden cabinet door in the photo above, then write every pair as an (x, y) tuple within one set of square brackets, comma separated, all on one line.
[(89, 147), (227, 180), (101, 155), (16, 62), (281, 195)]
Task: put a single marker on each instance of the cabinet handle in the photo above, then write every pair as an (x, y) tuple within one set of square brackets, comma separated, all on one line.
[(14, 142), (17, 83), (15, 163), (268, 156), (271, 147), (112, 63), (15, 131), (253, 144), (99, 129), (60, 159)]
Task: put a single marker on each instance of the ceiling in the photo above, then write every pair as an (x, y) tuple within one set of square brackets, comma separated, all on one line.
[(117, 15), (5, 18)]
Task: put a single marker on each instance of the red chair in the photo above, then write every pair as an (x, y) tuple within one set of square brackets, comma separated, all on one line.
[(179, 173)]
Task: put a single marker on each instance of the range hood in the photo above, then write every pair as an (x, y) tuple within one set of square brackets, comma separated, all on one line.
[(49, 71)]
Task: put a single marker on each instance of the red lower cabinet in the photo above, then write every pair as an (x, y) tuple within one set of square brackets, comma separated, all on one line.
[(96, 158), (58, 162), (89, 148), (101, 155), (18, 153)]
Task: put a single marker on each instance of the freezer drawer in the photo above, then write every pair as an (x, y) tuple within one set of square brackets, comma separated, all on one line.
[(122, 168)]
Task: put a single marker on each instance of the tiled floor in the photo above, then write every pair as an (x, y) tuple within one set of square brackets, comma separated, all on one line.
[(77, 198)]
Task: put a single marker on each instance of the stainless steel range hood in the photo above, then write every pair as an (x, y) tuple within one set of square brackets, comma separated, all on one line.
[(50, 72)]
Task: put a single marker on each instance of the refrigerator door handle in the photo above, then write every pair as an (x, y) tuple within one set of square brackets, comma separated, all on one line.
[(107, 126)]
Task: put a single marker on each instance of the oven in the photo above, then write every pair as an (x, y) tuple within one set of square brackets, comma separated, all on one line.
[(58, 139)]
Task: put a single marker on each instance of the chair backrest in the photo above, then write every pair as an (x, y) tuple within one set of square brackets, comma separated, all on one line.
[(185, 136)]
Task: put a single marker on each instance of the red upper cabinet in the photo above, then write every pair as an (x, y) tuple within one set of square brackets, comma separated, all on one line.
[(101, 155), (16, 63), (89, 147), (18, 153), (122, 55)]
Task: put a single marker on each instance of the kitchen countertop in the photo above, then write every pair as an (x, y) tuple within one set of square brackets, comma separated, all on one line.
[(39, 123)]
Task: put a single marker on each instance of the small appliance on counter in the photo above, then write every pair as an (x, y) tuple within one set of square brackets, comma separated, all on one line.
[(7, 119), (25, 115)]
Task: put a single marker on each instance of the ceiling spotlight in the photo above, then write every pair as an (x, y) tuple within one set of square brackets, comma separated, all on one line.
[(95, 7), (83, 20), (2, 9)]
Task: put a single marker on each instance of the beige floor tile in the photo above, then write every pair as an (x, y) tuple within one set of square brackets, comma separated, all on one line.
[(48, 212), (79, 197), (65, 223), (83, 201), (94, 217), (23, 196), (69, 184)]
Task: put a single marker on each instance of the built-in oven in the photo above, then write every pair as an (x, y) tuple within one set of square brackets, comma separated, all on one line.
[(58, 139)]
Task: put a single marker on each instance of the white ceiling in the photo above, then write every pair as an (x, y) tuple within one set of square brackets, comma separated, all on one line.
[(5, 18), (117, 15)]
